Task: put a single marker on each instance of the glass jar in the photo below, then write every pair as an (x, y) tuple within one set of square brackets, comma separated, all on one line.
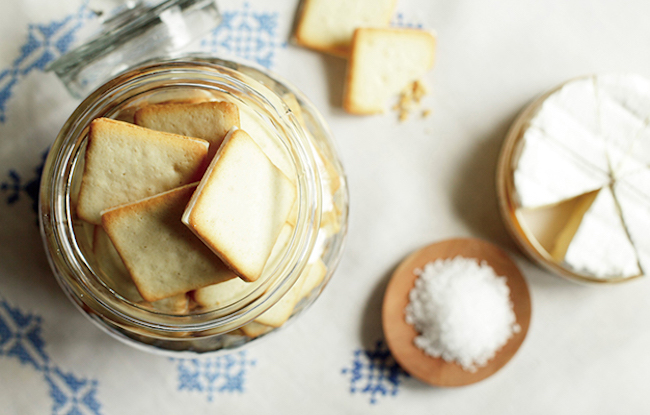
[(301, 146)]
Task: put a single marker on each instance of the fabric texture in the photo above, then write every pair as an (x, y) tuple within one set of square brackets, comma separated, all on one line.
[(411, 184)]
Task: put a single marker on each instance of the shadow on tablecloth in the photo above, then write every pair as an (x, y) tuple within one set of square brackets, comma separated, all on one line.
[(475, 194)]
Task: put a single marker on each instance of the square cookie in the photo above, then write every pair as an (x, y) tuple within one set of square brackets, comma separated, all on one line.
[(210, 121), (328, 25), (125, 163), (163, 257), (382, 63), (241, 205)]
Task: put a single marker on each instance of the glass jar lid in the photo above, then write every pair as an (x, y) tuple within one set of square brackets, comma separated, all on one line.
[(139, 31)]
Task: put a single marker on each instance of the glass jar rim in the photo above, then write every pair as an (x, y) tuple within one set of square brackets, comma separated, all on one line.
[(56, 216)]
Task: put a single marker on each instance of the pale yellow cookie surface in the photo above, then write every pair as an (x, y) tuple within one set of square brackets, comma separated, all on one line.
[(125, 163), (328, 25), (382, 63), (117, 277), (312, 276), (227, 292), (279, 248), (112, 268), (210, 121), (163, 257), (224, 293), (176, 304), (269, 141), (280, 312), (241, 205), (254, 329)]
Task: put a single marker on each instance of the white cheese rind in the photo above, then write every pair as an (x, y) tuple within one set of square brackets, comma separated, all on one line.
[(548, 173), (633, 195), (600, 123), (590, 134), (570, 118), (601, 246), (624, 105), (631, 91)]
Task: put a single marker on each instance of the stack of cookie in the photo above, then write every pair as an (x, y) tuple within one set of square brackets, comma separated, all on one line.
[(188, 210), (382, 61)]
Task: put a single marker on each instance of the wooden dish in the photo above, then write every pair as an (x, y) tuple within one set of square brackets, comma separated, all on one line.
[(400, 335)]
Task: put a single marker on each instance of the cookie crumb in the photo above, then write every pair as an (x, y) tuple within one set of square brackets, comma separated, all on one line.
[(410, 98), (419, 91)]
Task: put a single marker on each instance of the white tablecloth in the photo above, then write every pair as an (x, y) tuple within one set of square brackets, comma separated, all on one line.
[(588, 348)]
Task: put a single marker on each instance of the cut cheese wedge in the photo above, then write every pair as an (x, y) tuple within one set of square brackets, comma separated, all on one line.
[(630, 91), (210, 121), (575, 101), (548, 173), (564, 238), (601, 121), (624, 102), (581, 141), (633, 195), (382, 63), (632, 166), (125, 163), (162, 256), (241, 205), (590, 140), (622, 132), (544, 224), (596, 241)]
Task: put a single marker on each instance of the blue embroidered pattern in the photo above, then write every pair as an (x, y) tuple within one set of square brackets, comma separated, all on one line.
[(374, 372), (223, 374), (400, 21), (246, 34), (14, 186), (20, 338), (45, 42)]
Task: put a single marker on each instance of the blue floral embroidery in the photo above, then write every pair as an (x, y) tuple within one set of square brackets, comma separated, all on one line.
[(400, 21), (20, 338), (246, 34), (45, 42), (14, 186), (223, 374), (374, 372)]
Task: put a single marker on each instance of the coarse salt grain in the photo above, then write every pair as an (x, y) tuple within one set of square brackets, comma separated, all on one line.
[(462, 311)]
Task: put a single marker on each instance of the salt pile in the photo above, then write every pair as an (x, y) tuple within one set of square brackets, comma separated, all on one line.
[(462, 311)]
